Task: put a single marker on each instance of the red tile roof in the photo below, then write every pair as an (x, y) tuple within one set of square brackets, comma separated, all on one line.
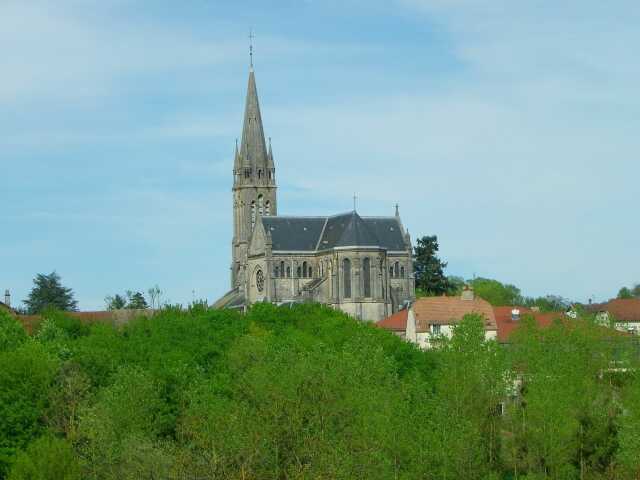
[(622, 309), (450, 310), (506, 325), (396, 322)]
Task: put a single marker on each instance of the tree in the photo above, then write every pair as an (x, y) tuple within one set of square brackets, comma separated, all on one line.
[(47, 458), (429, 269), (155, 295), (496, 293), (48, 292), (625, 292), (136, 301), (115, 302)]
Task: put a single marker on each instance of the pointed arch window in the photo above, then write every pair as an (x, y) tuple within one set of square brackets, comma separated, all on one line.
[(259, 173), (276, 272), (282, 268), (396, 270), (366, 276), (267, 208), (304, 269), (288, 272), (299, 272), (346, 274), (261, 205), (401, 272), (391, 271)]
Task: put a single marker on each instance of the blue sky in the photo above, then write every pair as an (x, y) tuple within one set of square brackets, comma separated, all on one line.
[(509, 129)]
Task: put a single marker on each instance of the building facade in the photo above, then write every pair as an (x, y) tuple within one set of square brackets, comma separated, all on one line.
[(429, 319), (361, 265)]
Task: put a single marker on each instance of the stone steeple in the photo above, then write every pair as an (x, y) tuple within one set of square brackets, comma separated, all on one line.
[(254, 184), (253, 148)]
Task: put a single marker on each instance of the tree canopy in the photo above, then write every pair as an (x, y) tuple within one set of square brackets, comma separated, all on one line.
[(626, 292), (429, 269), (48, 292), (308, 392)]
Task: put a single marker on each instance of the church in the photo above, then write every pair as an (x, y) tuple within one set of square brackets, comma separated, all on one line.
[(360, 265)]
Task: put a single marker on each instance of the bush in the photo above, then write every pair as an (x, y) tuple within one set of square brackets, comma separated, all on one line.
[(47, 458)]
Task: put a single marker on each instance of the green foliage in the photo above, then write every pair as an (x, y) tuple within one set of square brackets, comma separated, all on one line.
[(549, 303), (115, 302), (626, 292), (428, 268), (25, 376), (47, 458), (496, 293), (136, 301), (48, 292), (307, 392), (12, 334)]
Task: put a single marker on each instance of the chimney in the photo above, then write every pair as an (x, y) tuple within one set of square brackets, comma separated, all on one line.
[(515, 315), (467, 293), (7, 298)]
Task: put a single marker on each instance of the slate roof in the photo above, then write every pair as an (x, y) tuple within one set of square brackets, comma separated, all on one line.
[(309, 234), (253, 149)]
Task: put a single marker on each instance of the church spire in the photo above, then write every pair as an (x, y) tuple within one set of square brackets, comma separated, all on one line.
[(253, 148), (236, 160)]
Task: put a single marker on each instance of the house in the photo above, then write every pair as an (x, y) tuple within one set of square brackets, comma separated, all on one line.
[(623, 312), (429, 318), (508, 319)]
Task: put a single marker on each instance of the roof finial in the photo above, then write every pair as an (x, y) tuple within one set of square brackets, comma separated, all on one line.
[(355, 198), (397, 210), (251, 37)]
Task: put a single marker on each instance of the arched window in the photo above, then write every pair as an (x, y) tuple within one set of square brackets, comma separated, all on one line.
[(288, 272), (276, 272), (260, 205), (259, 173), (366, 276), (346, 273), (253, 214), (401, 272), (396, 270), (267, 208), (282, 268), (304, 269), (299, 272), (391, 271), (247, 172)]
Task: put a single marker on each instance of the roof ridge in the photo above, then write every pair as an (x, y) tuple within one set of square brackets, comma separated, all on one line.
[(326, 220)]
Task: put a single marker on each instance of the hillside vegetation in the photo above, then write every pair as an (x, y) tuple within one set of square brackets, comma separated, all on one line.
[(311, 393)]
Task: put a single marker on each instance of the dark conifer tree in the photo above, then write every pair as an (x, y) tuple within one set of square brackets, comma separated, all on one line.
[(48, 292), (429, 269)]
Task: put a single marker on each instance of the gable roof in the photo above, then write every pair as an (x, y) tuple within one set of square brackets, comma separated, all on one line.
[(450, 310), (396, 322), (310, 234), (506, 325), (294, 233), (622, 309)]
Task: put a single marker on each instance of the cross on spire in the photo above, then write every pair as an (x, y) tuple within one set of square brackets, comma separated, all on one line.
[(251, 37)]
